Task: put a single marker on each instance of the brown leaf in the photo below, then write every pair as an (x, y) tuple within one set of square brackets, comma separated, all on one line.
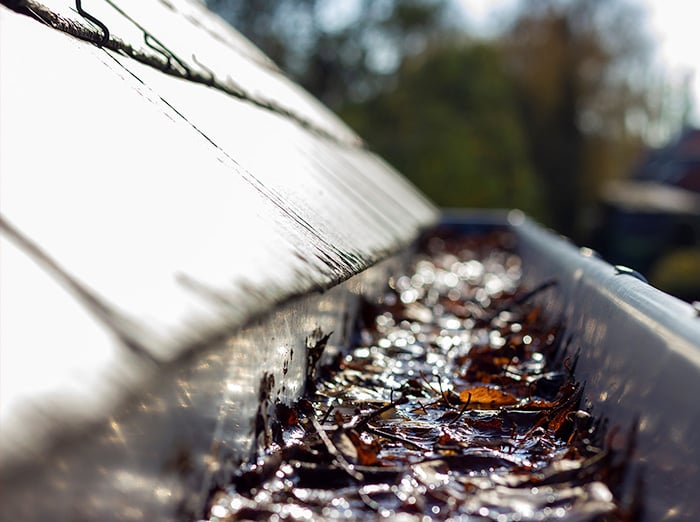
[(483, 396), (287, 415), (366, 453), (538, 404)]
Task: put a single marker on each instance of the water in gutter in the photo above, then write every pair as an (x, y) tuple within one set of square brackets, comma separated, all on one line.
[(456, 401)]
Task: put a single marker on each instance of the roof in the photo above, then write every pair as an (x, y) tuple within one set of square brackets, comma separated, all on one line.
[(160, 189)]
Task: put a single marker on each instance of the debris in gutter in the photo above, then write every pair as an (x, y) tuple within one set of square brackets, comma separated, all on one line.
[(459, 401)]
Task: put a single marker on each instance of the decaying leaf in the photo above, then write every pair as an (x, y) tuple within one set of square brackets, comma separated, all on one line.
[(486, 397), (451, 406), (366, 452)]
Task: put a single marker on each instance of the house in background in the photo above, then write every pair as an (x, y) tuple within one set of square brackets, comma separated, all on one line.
[(651, 220)]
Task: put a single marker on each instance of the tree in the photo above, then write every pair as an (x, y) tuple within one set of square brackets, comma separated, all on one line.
[(576, 67), (338, 56), (537, 118), (450, 125)]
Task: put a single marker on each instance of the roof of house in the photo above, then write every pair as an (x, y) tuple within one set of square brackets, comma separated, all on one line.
[(160, 188)]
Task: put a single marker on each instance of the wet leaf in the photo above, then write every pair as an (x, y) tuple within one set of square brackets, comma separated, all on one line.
[(287, 415), (537, 404), (484, 397), (450, 405), (366, 453)]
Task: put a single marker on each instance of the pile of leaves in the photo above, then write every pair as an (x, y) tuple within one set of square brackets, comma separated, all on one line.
[(459, 400)]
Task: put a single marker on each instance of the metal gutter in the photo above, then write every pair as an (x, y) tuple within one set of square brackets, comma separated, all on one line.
[(637, 350)]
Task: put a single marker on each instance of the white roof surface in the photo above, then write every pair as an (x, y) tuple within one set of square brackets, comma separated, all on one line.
[(145, 215)]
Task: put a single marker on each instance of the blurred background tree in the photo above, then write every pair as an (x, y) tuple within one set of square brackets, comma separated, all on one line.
[(338, 50), (451, 125), (578, 71), (536, 117)]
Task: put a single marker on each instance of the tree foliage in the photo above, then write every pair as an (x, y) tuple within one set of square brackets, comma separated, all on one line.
[(451, 126), (536, 118), (338, 55), (576, 67)]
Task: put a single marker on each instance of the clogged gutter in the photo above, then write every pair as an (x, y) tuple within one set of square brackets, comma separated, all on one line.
[(458, 401)]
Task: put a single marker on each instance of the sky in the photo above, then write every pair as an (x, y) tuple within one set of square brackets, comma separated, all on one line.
[(672, 24), (674, 27)]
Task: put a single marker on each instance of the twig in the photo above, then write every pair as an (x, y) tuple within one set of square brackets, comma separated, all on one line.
[(462, 410), (524, 298), (360, 426), (327, 414), (330, 447), (395, 438)]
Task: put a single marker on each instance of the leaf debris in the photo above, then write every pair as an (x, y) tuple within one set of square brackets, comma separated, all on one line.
[(457, 403)]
